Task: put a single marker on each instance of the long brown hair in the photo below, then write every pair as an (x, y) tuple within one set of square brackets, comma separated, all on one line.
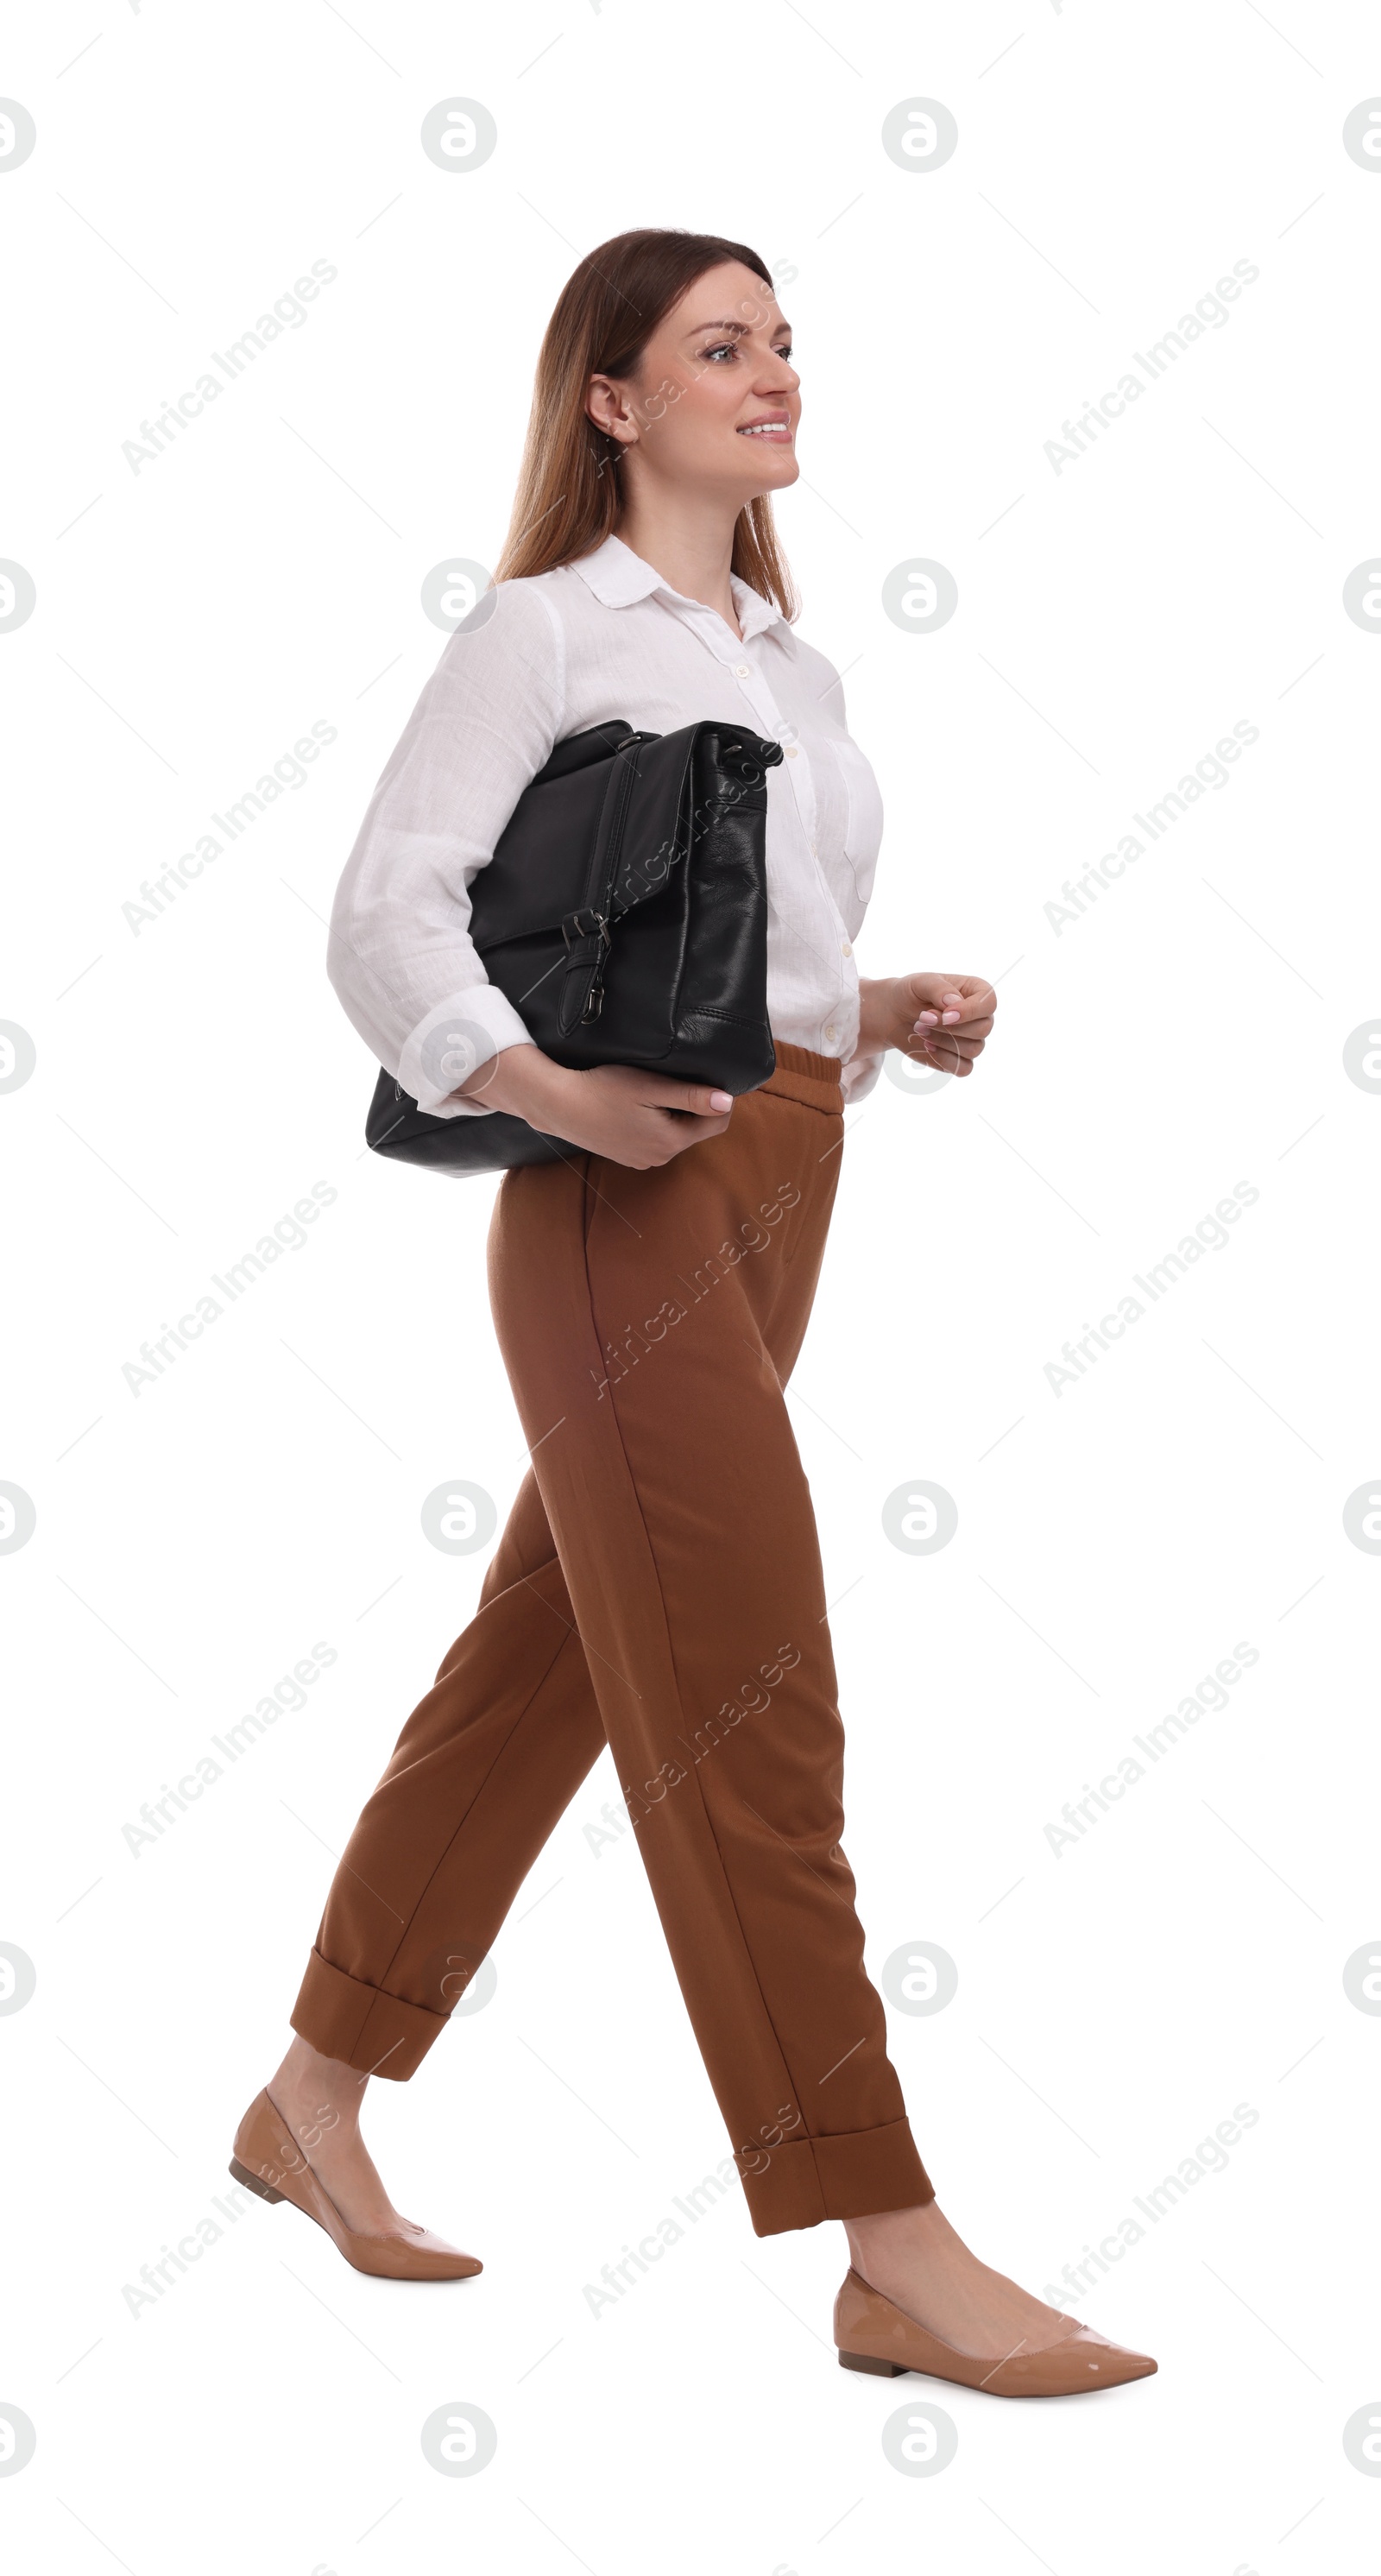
[(568, 499)]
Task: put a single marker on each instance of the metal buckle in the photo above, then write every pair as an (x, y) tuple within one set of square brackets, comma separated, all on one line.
[(587, 921)]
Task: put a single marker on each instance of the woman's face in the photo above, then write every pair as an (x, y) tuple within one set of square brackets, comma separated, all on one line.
[(716, 400)]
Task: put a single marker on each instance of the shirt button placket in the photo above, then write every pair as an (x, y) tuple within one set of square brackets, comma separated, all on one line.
[(798, 770)]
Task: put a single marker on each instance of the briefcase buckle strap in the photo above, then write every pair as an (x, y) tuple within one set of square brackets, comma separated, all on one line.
[(586, 934), (585, 923)]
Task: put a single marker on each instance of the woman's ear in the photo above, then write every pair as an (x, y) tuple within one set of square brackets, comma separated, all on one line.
[(608, 409)]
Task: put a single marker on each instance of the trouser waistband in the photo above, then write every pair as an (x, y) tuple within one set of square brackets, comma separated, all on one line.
[(802, 1075)]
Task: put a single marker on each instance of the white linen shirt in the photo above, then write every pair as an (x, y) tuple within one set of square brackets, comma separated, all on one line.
[(553, 655)]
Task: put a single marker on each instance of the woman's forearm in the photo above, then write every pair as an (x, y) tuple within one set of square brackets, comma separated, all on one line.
[(521, 1080)]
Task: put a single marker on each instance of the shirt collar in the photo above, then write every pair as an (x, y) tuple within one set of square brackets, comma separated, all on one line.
[(619, 577)]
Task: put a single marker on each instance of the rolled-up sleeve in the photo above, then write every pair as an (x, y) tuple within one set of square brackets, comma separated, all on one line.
[(400, 955)]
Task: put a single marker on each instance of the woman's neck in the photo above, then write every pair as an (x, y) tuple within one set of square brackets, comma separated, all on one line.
[(691, 550)]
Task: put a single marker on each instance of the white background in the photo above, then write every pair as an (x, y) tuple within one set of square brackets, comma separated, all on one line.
[(1115, 1541)]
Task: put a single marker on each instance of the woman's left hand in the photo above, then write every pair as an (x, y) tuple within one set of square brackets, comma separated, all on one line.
[(937, 1019)]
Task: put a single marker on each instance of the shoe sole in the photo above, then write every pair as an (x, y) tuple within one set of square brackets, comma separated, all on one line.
[(255, 2182), (878, 2369)]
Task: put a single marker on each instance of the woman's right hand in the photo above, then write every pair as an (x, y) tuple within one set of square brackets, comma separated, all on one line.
[(619, 1111)]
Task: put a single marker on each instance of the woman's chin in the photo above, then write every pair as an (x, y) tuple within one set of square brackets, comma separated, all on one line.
[(776, 470)]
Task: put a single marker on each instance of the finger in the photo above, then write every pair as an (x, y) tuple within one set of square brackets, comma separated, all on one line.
[(682, 1129), (957, 1015), (947, 1060), (965, 1029), (945, 1044), (927, 989), (700, 1099), (960, 999)]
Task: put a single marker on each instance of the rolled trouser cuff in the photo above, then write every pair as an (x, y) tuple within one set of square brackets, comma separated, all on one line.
[(360, 2025), (853, 2176)]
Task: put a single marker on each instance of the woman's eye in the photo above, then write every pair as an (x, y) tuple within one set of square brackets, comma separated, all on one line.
[(729, 349)]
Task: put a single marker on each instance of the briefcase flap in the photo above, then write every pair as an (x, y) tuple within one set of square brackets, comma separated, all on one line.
[(634, 819)]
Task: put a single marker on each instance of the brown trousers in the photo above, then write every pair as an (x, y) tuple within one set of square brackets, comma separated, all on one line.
[(658, 1588)]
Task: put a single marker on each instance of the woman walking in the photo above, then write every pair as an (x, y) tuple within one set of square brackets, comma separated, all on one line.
[(658, 1586)]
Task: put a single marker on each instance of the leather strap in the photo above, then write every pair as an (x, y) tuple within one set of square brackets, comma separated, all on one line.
[(586, 929)]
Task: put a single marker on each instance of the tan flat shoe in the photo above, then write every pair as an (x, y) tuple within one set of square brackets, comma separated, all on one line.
[(874, 2335), (267, 2159)]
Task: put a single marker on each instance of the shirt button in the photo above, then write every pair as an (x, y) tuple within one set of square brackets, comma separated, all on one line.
[(848, 951), (742, 671), (831, 1032), (791, 751)]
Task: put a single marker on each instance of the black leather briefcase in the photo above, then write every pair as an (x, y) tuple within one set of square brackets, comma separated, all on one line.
[(624, 915)]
